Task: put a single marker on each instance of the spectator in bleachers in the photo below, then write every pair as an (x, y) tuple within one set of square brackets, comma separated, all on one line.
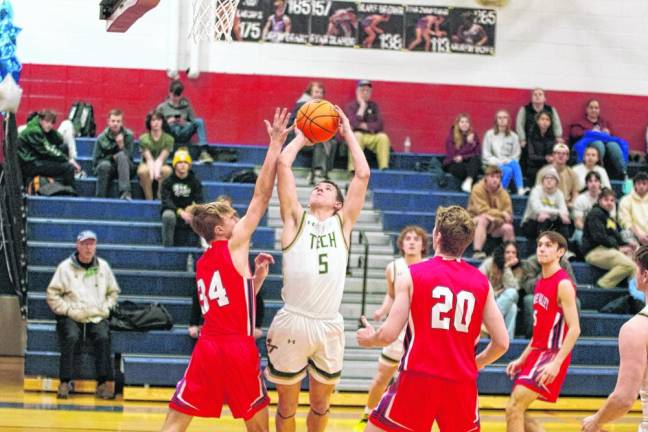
[(533, 272), (155, 147), (591, 163), (633, 210), (179, 191), (81, 294), (40, 151), (323, 153), (603, 245), (502, 148), (367, 124), (569, 183), (67, 135), (546, 209), (504, 272), (593, 130), (539, 145), (183, 123), (492, 210), (463, 152), (584, 203), (527, 117), (113, 156)]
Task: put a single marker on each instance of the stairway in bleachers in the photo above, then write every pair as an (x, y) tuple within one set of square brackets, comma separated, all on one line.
[(129, 239)]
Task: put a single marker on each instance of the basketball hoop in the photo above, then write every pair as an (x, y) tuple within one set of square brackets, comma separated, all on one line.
[(213, 19)]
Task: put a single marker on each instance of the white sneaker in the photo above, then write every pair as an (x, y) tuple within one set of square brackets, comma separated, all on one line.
[(523, 191), (466, 186)]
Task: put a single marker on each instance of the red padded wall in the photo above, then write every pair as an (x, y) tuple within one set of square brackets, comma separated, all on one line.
[(234, 105)]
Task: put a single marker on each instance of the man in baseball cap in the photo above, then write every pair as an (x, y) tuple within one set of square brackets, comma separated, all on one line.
[(81, 294)]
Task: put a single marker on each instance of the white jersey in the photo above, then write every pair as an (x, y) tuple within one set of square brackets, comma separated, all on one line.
[(314, 268)]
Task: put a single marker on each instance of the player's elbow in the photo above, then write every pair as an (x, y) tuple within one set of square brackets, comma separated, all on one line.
[(624, 400), (500, 343), (363, 172)]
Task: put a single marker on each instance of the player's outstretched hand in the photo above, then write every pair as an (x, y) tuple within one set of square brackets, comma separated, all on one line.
[(513, 368), (300, 135), (345, 126), (262, 264), (365, 335), (589, 424), (279, 129)]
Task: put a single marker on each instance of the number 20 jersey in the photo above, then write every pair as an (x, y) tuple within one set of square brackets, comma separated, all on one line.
[(446, 314), (226, 298)]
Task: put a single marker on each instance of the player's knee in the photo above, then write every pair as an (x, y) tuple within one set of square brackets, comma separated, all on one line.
[(285, 410), (513, 409)]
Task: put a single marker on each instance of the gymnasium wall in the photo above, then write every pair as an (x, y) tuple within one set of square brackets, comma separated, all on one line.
[(575, 49)]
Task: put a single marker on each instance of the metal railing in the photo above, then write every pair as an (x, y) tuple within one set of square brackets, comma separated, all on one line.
[(364, 263), (13, 237)]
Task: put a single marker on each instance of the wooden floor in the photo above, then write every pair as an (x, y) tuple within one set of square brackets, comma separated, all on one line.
[(40, 411)]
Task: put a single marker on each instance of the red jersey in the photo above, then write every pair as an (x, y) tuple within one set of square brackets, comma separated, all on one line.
[(446, 314), (226, 298), (549, 326)]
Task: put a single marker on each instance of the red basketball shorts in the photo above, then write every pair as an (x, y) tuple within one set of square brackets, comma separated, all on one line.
[(530, 372)]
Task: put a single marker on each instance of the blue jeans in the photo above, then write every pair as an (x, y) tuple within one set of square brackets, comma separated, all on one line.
[(615, 161), (507, 304), (512, 170), (183, 133)]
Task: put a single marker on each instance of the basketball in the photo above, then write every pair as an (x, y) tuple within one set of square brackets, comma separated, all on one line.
[(318, 120)]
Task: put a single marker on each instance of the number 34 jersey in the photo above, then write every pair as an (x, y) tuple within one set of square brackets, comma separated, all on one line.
[(446, 314), (314, 268), (226, 298)]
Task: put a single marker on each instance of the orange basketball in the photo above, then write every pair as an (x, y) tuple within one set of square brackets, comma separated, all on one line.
[(318, 120)]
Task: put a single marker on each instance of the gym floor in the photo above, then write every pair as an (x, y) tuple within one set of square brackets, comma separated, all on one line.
[(41, 411)]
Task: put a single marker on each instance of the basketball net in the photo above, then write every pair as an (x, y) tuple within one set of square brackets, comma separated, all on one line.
[(213, 19)]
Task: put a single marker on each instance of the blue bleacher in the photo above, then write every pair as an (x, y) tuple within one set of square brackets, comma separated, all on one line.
[(129, 239)]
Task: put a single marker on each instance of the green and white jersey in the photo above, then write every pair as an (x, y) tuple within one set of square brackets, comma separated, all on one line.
[(314, 268)]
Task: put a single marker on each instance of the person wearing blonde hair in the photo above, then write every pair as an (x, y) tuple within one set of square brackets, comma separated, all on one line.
[(463, 152), (501, 148), (225, 362), (413, 244), (180, 190)]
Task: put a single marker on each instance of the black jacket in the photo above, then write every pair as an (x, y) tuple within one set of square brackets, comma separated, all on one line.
[(180, 193), (601, 229)]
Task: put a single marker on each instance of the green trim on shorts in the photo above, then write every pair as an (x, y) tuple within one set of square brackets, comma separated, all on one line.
[(389, 359), (299, 231), (325, 374), (280, 374)]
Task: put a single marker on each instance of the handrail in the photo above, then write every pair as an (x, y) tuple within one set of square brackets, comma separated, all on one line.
[(365, 262)]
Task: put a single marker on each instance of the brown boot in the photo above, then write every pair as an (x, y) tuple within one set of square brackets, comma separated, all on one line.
[(64, 390), (106, 390)]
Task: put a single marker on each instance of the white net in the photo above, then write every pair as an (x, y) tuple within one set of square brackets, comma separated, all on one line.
[(213, 19)]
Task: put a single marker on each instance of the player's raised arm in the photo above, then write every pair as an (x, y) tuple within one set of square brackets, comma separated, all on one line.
[(499, 342), (355, 199), (277, 131), (396, 320), (388, 301), (289, 206)]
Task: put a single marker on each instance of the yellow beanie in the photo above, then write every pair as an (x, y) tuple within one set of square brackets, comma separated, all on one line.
[(181, 156)]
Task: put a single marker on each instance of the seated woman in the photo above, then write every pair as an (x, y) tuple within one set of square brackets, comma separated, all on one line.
[(594, 130), (540, 143), (590, 163), (463, 151), (546, 208), (501, 148), (504, 273)]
